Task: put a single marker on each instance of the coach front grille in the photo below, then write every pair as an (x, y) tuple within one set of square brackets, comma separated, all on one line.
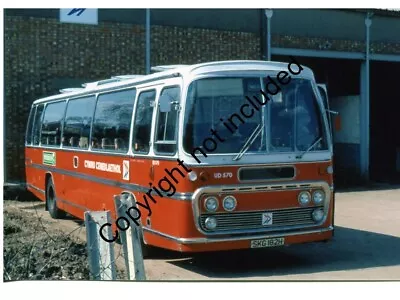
[(242, 221)]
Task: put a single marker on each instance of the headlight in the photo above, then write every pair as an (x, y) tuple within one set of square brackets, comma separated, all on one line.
[(211, 204), (211, 223), (318, 197), (304, 198), (318, 215), (229, 203)]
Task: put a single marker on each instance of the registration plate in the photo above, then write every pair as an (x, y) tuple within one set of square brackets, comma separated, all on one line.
[(263, 243)]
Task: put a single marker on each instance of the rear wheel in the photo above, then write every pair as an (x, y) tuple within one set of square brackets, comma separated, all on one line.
[(51, 202)]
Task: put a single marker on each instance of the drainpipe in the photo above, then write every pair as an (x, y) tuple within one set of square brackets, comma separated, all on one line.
[(147, 41), (365, 105), (268, 14)]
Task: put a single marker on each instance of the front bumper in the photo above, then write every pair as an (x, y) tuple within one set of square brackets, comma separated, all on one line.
[(235, 242)]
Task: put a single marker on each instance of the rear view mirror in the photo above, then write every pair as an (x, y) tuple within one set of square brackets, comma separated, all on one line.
[(165, 103), (332, 112), (324, 93)]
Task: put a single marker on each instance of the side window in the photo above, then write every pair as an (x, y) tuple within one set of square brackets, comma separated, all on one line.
[(30, 125), (78, 119), (37, 124), (166, 133), (52, 120), (142, 125), (112, 121)]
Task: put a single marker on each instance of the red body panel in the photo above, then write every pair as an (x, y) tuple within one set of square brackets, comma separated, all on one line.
[(83, 188)]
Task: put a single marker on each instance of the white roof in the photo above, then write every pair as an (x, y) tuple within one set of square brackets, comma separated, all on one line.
[(189, 70)]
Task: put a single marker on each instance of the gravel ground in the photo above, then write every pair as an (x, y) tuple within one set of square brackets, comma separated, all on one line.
[(33, 250), (366, 246)]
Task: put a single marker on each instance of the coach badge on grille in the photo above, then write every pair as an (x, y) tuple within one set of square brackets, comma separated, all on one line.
[(266, 219)]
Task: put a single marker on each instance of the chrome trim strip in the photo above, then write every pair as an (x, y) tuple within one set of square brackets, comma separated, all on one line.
[(79, 150), (99, 152), (35, 188), (284, 186), (232, 239), (81, 207), (291, 163), (128, 186)]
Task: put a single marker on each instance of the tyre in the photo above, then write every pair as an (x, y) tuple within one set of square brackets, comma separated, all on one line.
[(51, 202)]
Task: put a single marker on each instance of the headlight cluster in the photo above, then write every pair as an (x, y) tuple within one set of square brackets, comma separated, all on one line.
[(318, 197), (211, 203)]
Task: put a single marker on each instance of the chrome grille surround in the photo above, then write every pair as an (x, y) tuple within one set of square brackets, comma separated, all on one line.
[(250, 220), (227, 218)]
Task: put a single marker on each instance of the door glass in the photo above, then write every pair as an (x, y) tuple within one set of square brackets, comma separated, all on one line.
[(30, 125), (165, 137), (37, 125), (142, 125)]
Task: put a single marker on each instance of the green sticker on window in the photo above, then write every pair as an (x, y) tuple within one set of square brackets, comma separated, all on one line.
[(49, 158)]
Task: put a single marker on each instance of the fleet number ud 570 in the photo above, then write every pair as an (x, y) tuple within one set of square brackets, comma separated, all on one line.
[(223, 175)]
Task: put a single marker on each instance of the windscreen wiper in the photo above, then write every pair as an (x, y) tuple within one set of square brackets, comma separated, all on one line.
[(318, 139), (249, 142)]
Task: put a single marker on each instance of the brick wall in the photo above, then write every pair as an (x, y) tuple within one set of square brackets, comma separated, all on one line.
[(42, 54)]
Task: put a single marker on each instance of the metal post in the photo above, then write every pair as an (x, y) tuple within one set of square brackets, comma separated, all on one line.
[(365, 105), (130, 238), (268, 14), (147, 41), (100, 252)]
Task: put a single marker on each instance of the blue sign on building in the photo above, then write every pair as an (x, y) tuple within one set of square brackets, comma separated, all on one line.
[(79, 15)]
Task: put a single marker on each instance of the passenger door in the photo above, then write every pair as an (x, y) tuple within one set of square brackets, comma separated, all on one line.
[(141, 136), (35, 156), (28, 148)]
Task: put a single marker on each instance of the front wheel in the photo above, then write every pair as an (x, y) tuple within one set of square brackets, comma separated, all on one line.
[(51, 202)]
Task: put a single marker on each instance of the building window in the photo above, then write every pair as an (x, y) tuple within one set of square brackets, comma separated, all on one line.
[(143, 118), (78, 119), (112, 121), (166, 133), (51, 125), (37, 124)]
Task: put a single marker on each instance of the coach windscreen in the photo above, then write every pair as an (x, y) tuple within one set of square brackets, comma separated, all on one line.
[(228, 115)]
